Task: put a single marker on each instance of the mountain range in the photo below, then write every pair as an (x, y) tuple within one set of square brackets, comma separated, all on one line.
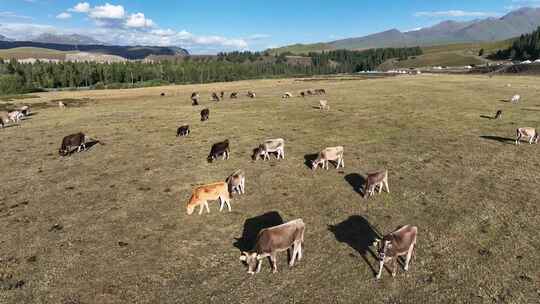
[(513, 24), (4, 38), (70, 39)]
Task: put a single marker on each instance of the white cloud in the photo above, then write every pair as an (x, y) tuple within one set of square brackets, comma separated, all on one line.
[(455, 13), (82, 7), (139, 21), (107, 11), (63, 15), (258, 37), (12, 15)]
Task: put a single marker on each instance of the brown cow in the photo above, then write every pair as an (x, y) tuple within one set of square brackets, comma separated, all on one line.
[(398, 243), (201, 195), (77, 140), (527, 133), (374, 180), (327, 155), (237, 182), (195, 99), (215, 97), (220, 148), (205, 114), (276, 239), (234, 95)]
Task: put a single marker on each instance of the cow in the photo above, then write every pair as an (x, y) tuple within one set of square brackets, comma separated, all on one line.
[(222, 94), (498, 114), (3, 120), (221, 148), (194, 99), (516, 98), (270, 146), (236, 182), (309, 92), (401, 242), (183, 131), (61, 105), (15, 116), (205, 114), (162, 94), (374, 180), (287, 95), (323, 105), (251, 94), (234, 95), (327, 155), (303, 94), (528, 133), (25, 110), (320, 92), (201, 195), (215, 97), (77, 140), (276, 239)]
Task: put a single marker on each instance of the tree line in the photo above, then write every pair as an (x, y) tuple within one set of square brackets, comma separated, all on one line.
[(526, 47), (18, 77)]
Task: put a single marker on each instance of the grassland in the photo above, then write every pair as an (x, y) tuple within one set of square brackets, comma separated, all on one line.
[(31, 52), (109, 225)]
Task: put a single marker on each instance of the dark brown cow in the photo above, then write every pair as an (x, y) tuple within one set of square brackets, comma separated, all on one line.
[(195, 99), (205, 114), (183, 131), (222, 94), (251, 94), (320, 92), (276, 239), (234, 95), (162, 94), (303, 94), (215, 97), (498, 114), (77, 140), (398, 243), (221, 148)]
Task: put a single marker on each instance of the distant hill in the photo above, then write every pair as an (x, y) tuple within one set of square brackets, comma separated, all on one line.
[(4, 38), (73, 39), (513, 24), (129, 52)]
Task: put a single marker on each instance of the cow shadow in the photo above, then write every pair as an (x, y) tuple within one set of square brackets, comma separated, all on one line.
[(356, 181), (253, 226), (486, 116), (309, 158), (358, 233), (504, 140)]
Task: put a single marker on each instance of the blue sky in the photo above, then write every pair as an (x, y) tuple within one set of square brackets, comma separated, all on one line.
[(209, 26)]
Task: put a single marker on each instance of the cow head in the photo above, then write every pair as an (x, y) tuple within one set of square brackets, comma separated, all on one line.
[(251, 260), (190, 210), (63, 151), (383, 248), (257, 153)]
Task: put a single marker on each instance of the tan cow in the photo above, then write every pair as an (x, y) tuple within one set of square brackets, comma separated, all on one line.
[(323, 105), (15, 116), (529, 133), (201, 195), (237, 182), (276, 145), (327, 155), (61, 105), (374, 180), (276, 239), (287, 95), (398, 243)]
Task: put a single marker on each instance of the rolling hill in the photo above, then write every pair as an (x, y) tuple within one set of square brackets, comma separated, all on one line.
[(513, 24)]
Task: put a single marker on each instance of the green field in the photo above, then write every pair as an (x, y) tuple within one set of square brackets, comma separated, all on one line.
[(110, 226), (31, 52)]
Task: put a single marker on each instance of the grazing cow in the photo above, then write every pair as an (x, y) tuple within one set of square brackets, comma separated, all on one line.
[(320, 92), (195, 99), (327, 155), (183, 131), (303, 94), (205, 114), (527, 133), (222, 94), (251, 94), (374, 180), (309, 92), (25, 110), (401, 242), (270, 146), (323, 105), (516, 99), (221, 148), (234, 95), (237, 182), (215, 97), (15, 116), (287, 95), (77, 140), (162, 94), (201, 195), (276, 239), (61, 105), (498, 114)]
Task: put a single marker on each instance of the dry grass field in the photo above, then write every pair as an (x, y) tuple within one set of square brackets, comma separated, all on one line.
[(110, 226)]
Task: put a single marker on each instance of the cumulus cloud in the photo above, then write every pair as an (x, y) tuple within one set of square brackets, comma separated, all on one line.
[(455, 13), (63, 15), (83, 7), (139, 21), (107, 11)]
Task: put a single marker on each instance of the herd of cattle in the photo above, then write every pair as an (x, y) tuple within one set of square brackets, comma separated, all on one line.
[(290, 235)]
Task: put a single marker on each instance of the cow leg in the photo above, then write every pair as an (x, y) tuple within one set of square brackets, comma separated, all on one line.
[(259, 263), (221, 203), (408, 259), (274, 262), (299, 251), (381, 187), (228, 204), (394, 266), (381, 266), (206, 205), (518, 139), (293, 254), (327, 162), (201, 209), (386, 186)]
